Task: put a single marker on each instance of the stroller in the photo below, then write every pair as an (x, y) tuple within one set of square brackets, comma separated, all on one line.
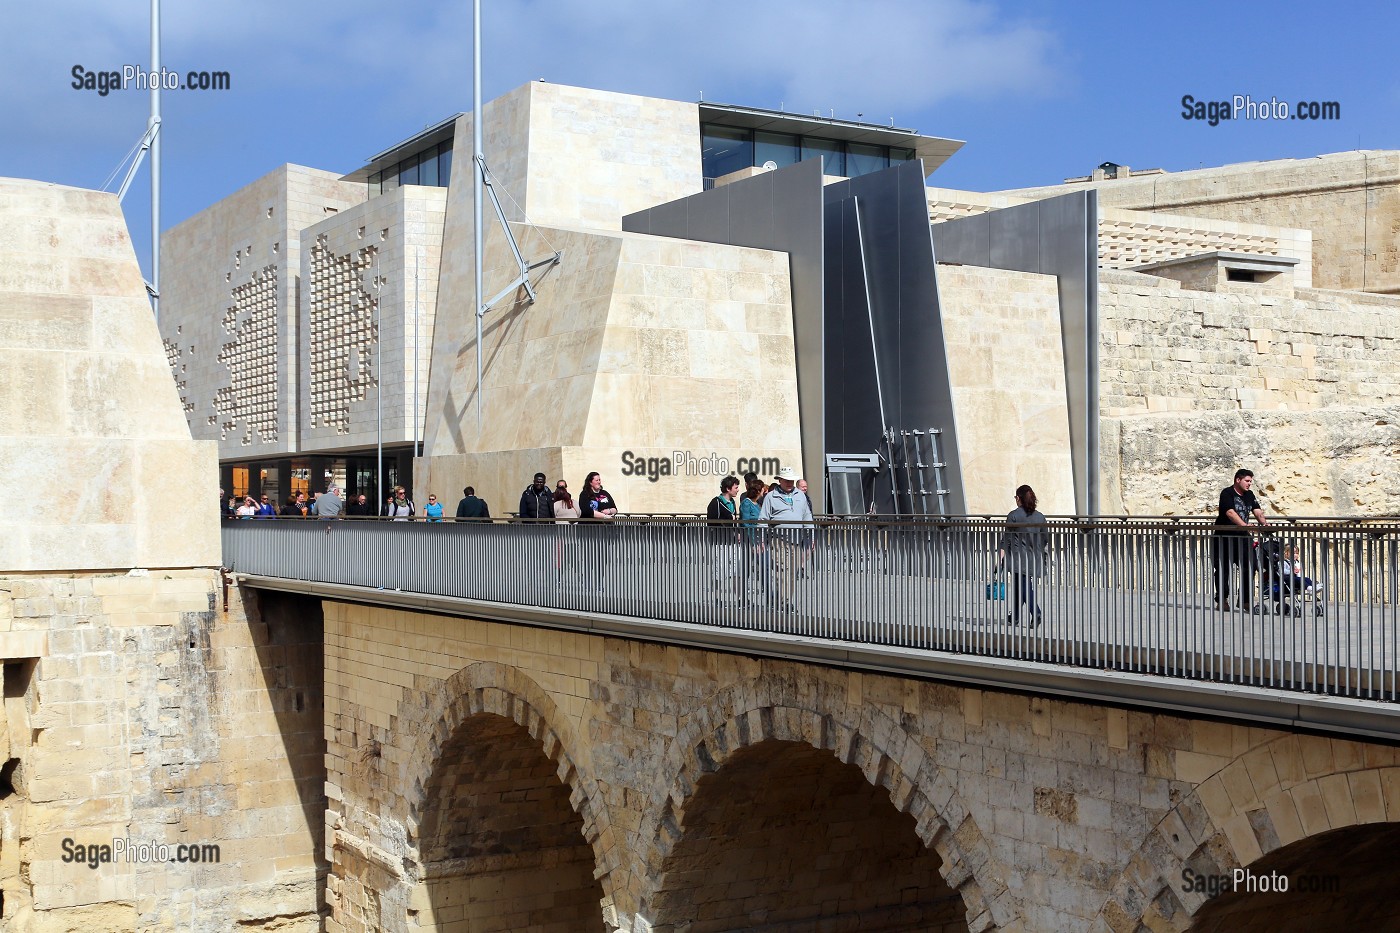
[(1283, 579)]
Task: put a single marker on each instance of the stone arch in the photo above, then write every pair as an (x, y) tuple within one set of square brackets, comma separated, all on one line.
[(744, 715), (1285, 791), (500, 690)]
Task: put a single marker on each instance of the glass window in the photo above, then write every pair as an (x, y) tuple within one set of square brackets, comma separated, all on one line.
[(898, 155), (862, 159), (374, 187), (389, 179), (444, 164), (428, 168), (832, 153), (781, 148), (408, 171), (724, 149)]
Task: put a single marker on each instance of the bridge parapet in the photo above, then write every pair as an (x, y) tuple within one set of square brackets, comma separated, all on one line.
[(1312, 607)]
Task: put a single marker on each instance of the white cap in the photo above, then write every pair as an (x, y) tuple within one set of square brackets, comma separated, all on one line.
[(789, 473)]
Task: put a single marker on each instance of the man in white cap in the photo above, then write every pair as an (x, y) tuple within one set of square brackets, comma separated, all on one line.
[(791, 513)]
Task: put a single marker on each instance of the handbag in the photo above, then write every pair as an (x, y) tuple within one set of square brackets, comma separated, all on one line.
[(996, 590)]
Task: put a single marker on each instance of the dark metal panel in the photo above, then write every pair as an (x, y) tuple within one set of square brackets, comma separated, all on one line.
[(1014, 241), (752, 213), (672, 215), (798, 230), (852, 404), (1068, 236), (1056, 236), (707, 218), (899, 266), (966, 241)]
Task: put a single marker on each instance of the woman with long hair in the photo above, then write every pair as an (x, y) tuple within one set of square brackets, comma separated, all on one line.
[(565, 512), (755, 567), (1022, 552)]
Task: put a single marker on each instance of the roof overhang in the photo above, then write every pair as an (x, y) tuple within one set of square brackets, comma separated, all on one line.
[(934, 150), (439, 132)]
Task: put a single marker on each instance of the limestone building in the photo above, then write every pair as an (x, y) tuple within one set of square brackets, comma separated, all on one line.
[(724, 288)]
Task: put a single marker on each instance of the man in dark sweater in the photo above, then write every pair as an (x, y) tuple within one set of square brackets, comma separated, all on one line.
[(1233, 545), (471, 506)]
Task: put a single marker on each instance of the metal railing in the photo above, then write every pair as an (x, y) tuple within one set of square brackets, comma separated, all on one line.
[(1121, 594)]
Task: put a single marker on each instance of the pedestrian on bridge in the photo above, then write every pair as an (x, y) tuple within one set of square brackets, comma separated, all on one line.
[(722, 515), (1233, 544), (1022, 552), (537, 501), (472, 506), (790, 512)]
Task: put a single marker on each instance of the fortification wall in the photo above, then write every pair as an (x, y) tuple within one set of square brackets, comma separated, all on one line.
[(1305, 390)]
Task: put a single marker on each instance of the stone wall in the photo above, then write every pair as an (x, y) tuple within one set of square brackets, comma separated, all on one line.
[(1350, 201), (697, 778), (1304, 390), (91, 427), (1007, 368), (137, 709)]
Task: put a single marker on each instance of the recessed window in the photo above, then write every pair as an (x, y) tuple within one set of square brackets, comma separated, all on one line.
[(831, 152), (725, 149), (779, 148), (862, 159)]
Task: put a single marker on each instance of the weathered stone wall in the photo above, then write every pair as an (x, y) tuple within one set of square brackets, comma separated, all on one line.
[(1304, 390), (137, 709), (1040, 814)]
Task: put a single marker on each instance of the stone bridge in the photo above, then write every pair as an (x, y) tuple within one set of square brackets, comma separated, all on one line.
[(487, 775)]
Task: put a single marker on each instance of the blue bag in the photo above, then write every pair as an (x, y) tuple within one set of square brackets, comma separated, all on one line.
[(996, 590)]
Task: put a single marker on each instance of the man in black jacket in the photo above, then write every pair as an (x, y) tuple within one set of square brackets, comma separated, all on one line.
[(537, 501), (471, 506)]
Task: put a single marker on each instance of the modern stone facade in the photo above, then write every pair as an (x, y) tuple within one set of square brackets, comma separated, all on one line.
[(229, 310), (648, 350), (367, 309), (711, 791)]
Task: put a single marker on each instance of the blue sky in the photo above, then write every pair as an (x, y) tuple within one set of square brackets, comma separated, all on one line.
[(1040, 91)]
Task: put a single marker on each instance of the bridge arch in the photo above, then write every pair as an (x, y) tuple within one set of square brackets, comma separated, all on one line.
[(511, 726), (757, 725), (1300, 804)]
